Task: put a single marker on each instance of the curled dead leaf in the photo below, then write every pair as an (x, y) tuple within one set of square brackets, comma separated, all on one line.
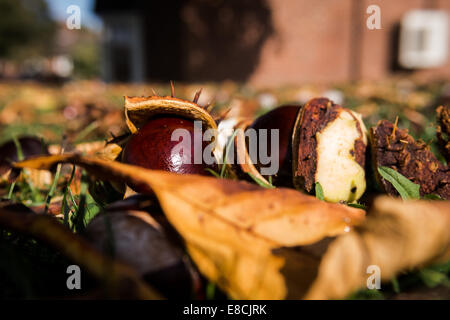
[(237, 233), (398, 235), (101, 149), (283, 217), (230, 227), (119, 278)]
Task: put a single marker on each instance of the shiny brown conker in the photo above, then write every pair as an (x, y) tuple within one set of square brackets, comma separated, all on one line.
[(135, 238), (320, 142), (29, 146), (153, 147), (283, 119)]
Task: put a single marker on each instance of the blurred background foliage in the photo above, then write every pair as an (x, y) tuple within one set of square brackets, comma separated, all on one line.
[(51, 86), (34, 45), (26, 29)]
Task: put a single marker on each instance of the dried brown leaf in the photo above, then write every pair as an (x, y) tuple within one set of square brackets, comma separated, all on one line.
[(121, 280), (397, 235), (234, 231), (230, 227)]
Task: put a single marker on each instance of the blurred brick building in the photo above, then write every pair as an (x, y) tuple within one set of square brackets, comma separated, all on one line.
[(265, 42)]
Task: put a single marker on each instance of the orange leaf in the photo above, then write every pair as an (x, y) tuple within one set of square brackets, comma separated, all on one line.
[(119, 278), (230, 227)]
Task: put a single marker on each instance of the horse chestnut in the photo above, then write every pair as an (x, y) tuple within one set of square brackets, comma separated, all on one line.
[(320, 142), (281, 119), (135, 238), (168, 135), (29, 146), (153, 147), (329, 148)]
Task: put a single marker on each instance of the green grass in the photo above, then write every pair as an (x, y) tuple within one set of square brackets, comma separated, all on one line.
[(319, 191), (29, 269), (260, 182), (429, 277)]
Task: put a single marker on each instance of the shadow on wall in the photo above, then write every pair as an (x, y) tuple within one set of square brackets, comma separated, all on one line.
[(201, 40), (394, 48)]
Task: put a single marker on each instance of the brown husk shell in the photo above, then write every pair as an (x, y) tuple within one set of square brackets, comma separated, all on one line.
[(313, 118), (139, 109), (244, 165), (443, 130), (413, 159)]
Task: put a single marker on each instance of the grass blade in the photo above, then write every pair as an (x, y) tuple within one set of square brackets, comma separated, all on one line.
[(319, 191), (215, 174), (260, 182), (406, 189), (227, 150)]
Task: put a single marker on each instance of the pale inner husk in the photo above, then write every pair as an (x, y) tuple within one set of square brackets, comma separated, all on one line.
[(341, 177), (139, 109)]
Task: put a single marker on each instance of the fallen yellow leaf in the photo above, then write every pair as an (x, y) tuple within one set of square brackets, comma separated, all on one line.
[(397, 235), (230, 227)]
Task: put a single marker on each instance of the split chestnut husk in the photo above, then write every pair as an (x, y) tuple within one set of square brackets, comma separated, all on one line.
[(320, 142), (153, 121), (395, 148), (329, 147), (443, 130)]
